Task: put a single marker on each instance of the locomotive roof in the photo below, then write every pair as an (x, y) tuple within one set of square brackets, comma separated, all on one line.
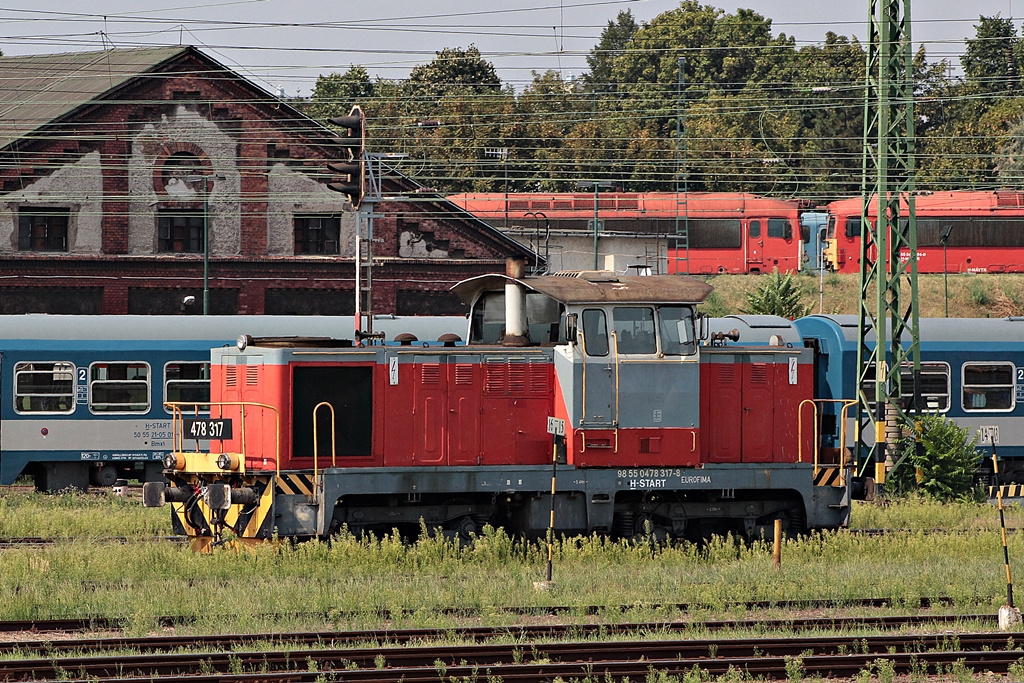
[(593, 287)]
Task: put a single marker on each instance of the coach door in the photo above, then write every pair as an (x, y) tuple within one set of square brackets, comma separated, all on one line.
[(755, 246)]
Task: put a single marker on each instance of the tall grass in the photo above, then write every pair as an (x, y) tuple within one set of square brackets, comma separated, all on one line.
[(351, 583)]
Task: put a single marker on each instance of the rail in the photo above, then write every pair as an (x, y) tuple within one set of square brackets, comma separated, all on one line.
[(178, 424), (847, 404), (316, 441)]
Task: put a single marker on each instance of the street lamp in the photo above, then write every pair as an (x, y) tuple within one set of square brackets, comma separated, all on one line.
[(205, 180), (944, 238), (597, 186)]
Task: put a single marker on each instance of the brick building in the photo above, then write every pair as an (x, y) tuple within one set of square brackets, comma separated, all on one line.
[(102, 205)]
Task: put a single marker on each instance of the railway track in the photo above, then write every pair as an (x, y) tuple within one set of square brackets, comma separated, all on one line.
[(770, 658), (38, 541), (149, 644), (100, 623)]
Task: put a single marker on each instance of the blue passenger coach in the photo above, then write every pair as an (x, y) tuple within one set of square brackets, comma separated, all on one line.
[(972, 371), (82, 397)]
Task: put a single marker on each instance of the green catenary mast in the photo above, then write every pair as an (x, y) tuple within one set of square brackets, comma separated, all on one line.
[(886, 282)]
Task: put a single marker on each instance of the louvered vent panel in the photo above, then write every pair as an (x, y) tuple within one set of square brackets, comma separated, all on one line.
[(463, 373), (517, 377), (758, 373), (430, 373), (252, 375), (231, 375), (494, 376), (726, 373), (538, 377)]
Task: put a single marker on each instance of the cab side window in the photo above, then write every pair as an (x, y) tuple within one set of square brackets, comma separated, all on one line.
[(595, 332)]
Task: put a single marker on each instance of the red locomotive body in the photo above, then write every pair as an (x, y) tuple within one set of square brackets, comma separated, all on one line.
[(707, 232), (594, 380), (957, 232)]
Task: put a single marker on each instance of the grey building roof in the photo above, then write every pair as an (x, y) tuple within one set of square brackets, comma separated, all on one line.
[(37, 90)]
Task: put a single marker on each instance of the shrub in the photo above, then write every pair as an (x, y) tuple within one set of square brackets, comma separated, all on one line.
[(947, 460), (778, 295), (714, 306), (979, 293)]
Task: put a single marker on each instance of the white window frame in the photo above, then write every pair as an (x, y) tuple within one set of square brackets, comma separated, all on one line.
[(1012, 386), (149, 386), (202, 409), (19, 368)]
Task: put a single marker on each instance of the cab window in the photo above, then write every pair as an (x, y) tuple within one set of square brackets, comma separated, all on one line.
[(677, 336), (634, 329), (595, 332)]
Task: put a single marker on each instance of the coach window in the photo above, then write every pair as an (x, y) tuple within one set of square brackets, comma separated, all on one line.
[(988, 386), (677, 337), (634, 329), (933, 395), (595, 332), (755, 229), (44, 387), (187, 382), (119, 387)]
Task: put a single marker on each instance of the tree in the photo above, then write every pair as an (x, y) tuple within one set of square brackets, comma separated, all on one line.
[(334, 94), (614, 39), (454, 66), (945, 465), (778, 295), (991, 58)]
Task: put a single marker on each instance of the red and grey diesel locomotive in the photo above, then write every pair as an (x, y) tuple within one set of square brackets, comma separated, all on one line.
[(583, 400)]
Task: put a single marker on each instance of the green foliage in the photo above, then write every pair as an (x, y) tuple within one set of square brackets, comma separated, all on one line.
[(979, 292), (777, 295), (947, 461), (714, 306), (456, 67)]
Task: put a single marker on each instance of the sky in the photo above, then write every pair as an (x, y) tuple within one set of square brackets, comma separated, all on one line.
[(283, 45)]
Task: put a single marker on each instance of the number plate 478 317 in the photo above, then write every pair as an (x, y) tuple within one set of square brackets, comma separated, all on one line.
[(207, 428)]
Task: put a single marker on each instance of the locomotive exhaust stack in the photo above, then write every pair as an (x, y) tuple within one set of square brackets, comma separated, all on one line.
[(515, 315)]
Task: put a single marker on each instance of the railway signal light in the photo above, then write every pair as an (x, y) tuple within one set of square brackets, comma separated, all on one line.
[(354, 167)]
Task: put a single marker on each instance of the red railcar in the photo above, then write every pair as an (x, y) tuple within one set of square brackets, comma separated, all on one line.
[(957, 232), (707, 232)]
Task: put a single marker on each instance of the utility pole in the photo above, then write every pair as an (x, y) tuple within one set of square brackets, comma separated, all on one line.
[(682, 237), (888, 181)]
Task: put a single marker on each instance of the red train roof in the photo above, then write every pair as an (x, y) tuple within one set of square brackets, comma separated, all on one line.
[(624, 204)]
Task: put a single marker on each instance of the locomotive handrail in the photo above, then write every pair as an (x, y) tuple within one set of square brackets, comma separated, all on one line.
[(615, 346), (847, 404), (583, 353), (334, 454), (177, 423)]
